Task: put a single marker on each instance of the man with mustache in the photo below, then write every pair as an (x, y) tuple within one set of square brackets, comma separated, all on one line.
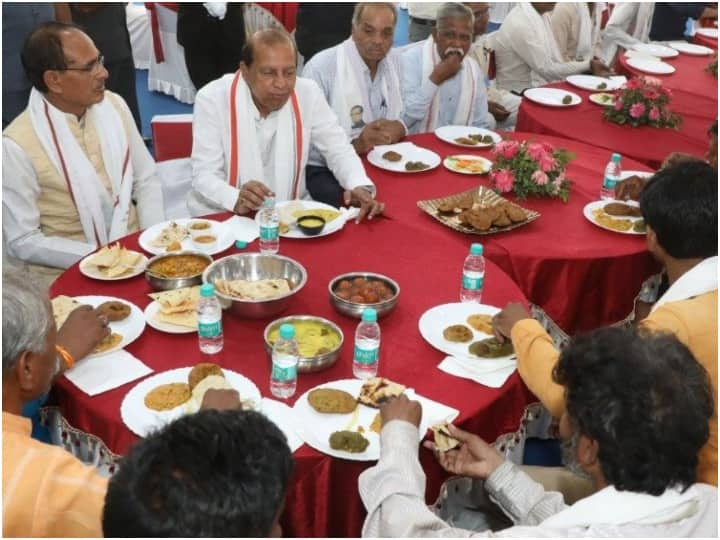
[(441, 83), (76, 173), (360, 71)]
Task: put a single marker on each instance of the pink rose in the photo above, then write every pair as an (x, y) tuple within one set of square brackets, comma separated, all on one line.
[(637, 110), (634, 84), (560, 178), (651, 94), (548, 147), (536, 151), (547, 163), (618, 104), (507, 149), (540, 178), (666, 91), (654, 114), (503, 179)]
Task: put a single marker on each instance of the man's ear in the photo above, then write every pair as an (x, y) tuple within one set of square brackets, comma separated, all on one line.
[(587, 452), (243, 69), (433, 32), (26, 371), (51, 78)]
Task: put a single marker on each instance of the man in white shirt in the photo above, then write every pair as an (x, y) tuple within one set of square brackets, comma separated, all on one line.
[(441, 84), (576, 27), (252, 131), (526, 54), (628, 24), (76, 173), (421, 17), (637, 411), (363, 72)]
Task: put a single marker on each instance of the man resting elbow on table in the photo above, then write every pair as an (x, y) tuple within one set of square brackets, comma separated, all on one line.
[(679, 206), (252, 131)]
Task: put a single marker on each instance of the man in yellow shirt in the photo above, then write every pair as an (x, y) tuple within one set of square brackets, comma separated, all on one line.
[(679, 206)]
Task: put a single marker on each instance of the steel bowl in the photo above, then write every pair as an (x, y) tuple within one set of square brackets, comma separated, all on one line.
[(355, 309), (160, 283), (253, 267), (314, 363)]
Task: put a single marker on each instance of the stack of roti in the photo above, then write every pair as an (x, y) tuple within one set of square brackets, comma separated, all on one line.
[(178, 306), (114, 260), (262, 289), (62, 306)]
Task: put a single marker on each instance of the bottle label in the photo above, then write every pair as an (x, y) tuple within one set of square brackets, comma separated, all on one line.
[(609, 183), (284, 374), (472, 283), (209, 329), (268, 233), (366, 356)]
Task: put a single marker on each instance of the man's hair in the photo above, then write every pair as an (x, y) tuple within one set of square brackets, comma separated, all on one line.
[(358, 108), (679, 203), (43, 51), (26, 317), (214, 473), (360, 6), (713, 128), (453, 10), (266, 37), (644, 399)]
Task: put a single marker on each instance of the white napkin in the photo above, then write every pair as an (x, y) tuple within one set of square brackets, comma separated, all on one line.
[(243, 228), (348, 214), (284, 418), (100, 374), (432, 411), (492, 373)]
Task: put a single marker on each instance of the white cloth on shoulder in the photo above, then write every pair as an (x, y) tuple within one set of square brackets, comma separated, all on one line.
[(216, 9), (700, 279), (543, 28), (96, 207), (589, 29)]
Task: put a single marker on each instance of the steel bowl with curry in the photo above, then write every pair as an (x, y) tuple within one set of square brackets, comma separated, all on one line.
[(176, 270)]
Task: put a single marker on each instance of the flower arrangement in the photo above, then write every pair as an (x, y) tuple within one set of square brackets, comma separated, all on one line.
[(643, 101), (712, 67), (530, 169)]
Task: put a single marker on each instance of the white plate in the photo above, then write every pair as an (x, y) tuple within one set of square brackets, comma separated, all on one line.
[(691, 48), (591, 82), (449, 163), (223, 232), (317, 427), (142, 421), (552, 97), (129, 328), (588, 213), (150, 311), (655, 49), (450, 133), (330, 227), (283, 417), (92, 271), (408, 151), (655, 67), (641, 174), (435, 320), (597, 99), (707, 32)]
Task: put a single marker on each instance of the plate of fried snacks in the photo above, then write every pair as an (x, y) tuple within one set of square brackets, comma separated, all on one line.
[(478, 211), (404, 157), (113, 262), (174, 311), (199, 234), (291, 211), (468, 136), (125, 319), (616, 216), (552, 97), (593, 82), (342, 418), (166, 396), (466, 164), (464, 330), (602, 98)]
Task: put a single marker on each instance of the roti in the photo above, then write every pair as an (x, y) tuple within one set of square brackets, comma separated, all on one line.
[(173, 233), (114, 260), (377, 390), (443, 440), (211, 382), (177, 300), (108, 343), (62, 306), (262, 289)]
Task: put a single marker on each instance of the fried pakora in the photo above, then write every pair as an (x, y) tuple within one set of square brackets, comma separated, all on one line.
[(332, 401), (392, 156), (348, 441), (621, 209), (458, 333), (490, 348)]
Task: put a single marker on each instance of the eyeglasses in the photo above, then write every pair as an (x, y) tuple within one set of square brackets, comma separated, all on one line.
[(92, 67)]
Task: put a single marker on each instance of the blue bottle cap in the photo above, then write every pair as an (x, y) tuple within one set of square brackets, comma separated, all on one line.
[(615, 158), (269, 202), (208, 289), (369, 315), (287, 331), (240, 244), (476, 249)]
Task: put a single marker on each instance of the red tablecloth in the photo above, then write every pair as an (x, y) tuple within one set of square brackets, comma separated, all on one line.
[(581, 275), (706, 41), (648, 145), (323, 498)]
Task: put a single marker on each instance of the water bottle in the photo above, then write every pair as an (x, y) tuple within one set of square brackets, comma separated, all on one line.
[(269, 227), (367, 346), (473, 275), (613, 171), (283, 378), (209, 315)]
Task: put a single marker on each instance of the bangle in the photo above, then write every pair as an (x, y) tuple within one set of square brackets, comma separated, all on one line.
[(66, 356)]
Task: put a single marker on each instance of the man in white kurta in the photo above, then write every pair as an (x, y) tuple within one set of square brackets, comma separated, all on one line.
[(576, 27), (76, 173), (441, 84), (628, 24), (252, 131)]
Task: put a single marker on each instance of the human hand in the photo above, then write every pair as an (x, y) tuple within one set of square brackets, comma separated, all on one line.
[(393, 129), (474, 458), (251, 197), (447, 68), (504, 321), (361, 197), (221, 400), (401, 408), (597, 67), (82, 331), (499, 112)]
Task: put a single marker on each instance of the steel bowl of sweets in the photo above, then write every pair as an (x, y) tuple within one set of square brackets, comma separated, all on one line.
[(176, 269), (351, 293)]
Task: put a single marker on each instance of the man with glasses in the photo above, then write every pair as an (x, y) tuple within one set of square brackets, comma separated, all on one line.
[(76, 173)]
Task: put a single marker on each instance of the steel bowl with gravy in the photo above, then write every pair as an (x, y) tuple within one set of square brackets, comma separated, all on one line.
[(351, 293), (176, 270), (319, 341)]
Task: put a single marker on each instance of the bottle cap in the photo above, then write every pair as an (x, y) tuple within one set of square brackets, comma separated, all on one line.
[(269, 202), (208, 289), (476, 249), (287, 331), (615, 158), (240, 244), (369, 315)]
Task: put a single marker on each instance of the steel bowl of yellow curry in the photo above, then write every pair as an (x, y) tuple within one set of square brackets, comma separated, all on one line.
[(319, 341)]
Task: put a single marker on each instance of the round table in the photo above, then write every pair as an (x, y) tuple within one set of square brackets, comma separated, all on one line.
[(323, 499), (582, 276)]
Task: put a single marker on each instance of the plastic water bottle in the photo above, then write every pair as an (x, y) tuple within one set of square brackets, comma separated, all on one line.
[(269, 227), (473, 275), (283, 378), (613, 172), (209, 315), (367, 346)]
